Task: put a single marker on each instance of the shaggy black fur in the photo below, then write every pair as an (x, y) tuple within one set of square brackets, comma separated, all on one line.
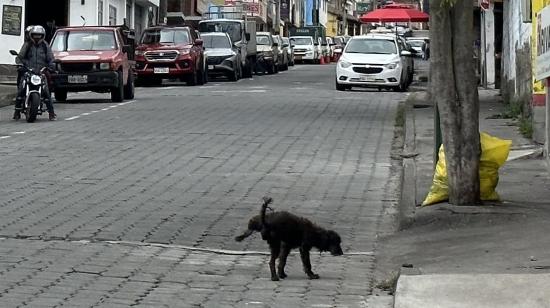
[(284, 231)]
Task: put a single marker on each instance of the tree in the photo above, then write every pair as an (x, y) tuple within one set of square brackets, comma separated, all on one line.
[(454, 90)]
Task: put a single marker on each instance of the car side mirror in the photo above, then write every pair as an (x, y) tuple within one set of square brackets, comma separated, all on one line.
[(285, 45), (247, 36), (198, 42), (406, 53), (13, 53)]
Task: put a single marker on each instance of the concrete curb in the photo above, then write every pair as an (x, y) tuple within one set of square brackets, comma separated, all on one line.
[(7, 99), (407, 202)]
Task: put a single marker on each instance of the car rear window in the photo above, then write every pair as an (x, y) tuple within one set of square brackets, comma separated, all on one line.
[(84, 40)]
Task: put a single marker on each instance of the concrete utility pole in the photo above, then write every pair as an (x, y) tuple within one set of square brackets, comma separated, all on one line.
[(278, 16), (344, 17)]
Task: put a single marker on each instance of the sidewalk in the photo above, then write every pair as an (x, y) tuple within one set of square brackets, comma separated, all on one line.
[(7, 94), (494, 255)]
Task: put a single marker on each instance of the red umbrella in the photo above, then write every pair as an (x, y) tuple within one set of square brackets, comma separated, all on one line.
[(395, 15)]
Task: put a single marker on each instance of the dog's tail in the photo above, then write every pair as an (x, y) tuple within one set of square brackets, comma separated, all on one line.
[(267, 202)]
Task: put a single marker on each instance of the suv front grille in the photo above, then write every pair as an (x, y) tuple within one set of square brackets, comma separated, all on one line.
[(158, 56), (77, 67), (215, 60), (367, 70)]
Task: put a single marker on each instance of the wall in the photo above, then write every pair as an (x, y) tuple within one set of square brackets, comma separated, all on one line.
[(516, 61), (539, 97), (11, 41), (88, 11)]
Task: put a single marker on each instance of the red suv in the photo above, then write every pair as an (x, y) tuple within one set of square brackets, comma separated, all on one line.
[(96, 59), (170, 52)]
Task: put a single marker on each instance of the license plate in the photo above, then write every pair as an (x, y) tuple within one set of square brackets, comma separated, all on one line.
[(367, 78), (161, 70), (77, 78), (297, 57), (210, 67)]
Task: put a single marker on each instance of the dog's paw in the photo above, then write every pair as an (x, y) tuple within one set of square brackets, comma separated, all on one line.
[(274, 278), (313, 276), (282, 275)]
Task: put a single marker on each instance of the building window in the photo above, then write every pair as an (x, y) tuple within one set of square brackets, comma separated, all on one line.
[(100, 13), (129, 13), (112, 15)]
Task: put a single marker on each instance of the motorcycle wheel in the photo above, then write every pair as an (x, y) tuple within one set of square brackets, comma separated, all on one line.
[(32, 111)]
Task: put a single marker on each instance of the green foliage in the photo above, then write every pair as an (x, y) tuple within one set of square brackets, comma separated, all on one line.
[(526, 127), (512, 110)]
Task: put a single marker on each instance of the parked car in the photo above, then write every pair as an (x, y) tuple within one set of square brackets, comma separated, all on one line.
[(290, 48), (170, 52), (283, 53), (416, 43), (339, 42), (305, 49), (268, 53), (98, 59), (373, 60), (222, 57)]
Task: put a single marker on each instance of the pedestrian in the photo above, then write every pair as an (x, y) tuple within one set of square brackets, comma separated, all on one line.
[(426, 49)]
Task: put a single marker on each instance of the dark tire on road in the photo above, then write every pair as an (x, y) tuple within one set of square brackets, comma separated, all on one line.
[(201, 76), (271, 69), (60, 95), (248, 69), (192, 79), (34, 104), (129, 88), (117, 93), (340, 87)]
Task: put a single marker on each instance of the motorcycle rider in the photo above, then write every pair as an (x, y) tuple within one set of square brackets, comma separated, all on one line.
[(35, 54)]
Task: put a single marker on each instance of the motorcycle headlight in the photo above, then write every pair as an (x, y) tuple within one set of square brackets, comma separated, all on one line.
[(392, 65), (104, 65), (36, 80), (345, 64)]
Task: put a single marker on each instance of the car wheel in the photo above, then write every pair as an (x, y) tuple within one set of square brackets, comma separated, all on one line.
[(60, 95), (192, 79), (129, 88), (117, 93), (340, 87), (201, 80)]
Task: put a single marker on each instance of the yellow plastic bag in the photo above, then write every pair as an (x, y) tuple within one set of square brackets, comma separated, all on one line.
[(494, 152)]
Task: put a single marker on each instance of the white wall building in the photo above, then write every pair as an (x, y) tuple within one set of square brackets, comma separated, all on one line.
[(138, 13)]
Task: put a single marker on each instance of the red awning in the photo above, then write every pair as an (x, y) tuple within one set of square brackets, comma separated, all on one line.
[(395, 14)]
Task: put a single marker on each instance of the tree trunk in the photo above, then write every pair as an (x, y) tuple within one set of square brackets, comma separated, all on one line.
[(454, 89)]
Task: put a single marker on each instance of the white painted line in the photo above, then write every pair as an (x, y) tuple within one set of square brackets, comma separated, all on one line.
[(18, 133), (239, 91), (72, 118), (105, 109), (5, 137), (94, 111), (85, 114)]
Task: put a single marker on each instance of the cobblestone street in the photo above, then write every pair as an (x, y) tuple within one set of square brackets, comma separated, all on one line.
[(137, 203)]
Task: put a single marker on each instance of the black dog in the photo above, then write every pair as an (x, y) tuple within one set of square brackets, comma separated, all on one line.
[(284, 231)]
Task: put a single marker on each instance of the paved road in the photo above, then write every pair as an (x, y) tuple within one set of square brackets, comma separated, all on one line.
[(137, 203)]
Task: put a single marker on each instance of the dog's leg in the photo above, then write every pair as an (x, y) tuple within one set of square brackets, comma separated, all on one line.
[(275, 247), (304, 254), (285, 250)]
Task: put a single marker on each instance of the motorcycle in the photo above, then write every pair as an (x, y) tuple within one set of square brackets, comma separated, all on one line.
[(33, 83)]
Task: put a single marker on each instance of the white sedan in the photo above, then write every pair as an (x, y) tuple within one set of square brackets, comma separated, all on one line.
[(373, 60)]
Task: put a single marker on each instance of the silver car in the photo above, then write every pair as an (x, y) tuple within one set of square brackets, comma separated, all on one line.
[(283, 53), (290, 50)]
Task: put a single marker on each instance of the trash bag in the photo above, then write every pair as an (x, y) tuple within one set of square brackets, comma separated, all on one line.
[(494, 153)]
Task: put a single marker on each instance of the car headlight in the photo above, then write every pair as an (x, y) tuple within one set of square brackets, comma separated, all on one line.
[(104, 66), (184, 51), (392, 65), (36, 80), (345, 64), (139, 53)]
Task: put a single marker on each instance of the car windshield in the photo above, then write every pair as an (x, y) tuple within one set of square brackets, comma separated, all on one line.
[(84, 40), (216, 41), (371, 46), (302, 41), (166, 36), (263, 40), (231, 28), (415, 43)]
